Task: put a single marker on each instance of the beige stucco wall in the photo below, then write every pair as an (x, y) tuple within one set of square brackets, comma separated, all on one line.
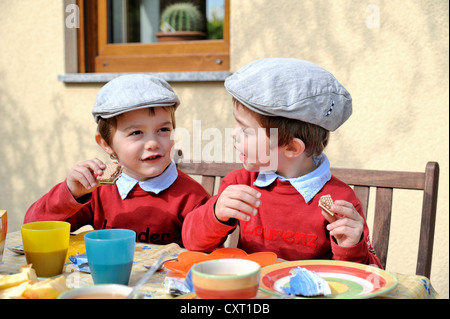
[(396, 68)]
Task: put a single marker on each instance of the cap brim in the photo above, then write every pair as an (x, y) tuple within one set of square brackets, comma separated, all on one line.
[(108, 115)]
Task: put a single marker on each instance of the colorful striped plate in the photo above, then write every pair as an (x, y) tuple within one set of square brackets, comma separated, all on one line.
[(346, 279)]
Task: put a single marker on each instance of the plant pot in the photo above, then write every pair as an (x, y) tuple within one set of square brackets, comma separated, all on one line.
[(180, 36)]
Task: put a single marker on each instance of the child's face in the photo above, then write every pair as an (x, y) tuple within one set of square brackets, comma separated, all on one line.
[(256, 151), (142, 142)]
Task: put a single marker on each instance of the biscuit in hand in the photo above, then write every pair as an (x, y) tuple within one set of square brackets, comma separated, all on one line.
[(110, 174), (325, 203)]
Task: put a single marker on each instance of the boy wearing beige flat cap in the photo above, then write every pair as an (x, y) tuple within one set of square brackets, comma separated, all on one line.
[(135, 114), (274, 198)]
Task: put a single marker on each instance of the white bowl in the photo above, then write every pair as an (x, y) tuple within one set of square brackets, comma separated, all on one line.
[(107, 291)]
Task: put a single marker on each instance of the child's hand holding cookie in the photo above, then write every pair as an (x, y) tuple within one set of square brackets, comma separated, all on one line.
[(345, 223), (82, 180)]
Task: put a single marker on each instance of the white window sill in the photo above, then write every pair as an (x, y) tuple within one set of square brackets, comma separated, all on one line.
[(168, 76)]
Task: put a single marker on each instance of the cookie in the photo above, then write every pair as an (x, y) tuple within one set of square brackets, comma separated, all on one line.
[(325, 203), (110, 174)]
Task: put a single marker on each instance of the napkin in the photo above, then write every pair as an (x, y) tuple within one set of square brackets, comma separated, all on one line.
[(80, 262), (179, 286), (306, 283)]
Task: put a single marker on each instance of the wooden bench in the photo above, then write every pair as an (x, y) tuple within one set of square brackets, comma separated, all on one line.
[(362, 180)]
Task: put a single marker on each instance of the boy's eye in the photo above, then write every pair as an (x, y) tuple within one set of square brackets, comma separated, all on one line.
[(136, 133), (245, 131), (165, 129)]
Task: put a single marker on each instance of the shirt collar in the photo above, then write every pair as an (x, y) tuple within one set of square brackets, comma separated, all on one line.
[(155, 185), (307, 185)]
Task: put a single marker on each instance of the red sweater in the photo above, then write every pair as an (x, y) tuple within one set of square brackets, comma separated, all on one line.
[(156, 219), (285, 224)]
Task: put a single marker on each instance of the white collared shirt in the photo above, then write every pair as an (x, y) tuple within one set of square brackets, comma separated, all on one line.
[(155, 185), (307, 185)]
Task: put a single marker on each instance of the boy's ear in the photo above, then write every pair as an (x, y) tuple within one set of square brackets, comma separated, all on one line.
[(295, 148), (100, 141)]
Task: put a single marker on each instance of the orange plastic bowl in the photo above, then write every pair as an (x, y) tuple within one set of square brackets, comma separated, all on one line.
[(186, 259)]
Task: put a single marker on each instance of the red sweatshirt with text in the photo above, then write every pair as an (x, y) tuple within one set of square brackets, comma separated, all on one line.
[(285, 224), (155, 218)]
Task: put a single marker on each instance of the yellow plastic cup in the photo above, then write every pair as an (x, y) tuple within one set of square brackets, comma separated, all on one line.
[(45, 244)]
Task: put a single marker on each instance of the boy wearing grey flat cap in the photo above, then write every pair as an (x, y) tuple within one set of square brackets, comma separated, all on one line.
[(135, 116), (276, 204)]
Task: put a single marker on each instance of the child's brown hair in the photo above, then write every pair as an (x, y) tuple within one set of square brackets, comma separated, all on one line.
[(315, 137)]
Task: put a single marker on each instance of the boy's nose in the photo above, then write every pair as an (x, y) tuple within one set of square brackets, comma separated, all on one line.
[(235, 133), (151, 144)]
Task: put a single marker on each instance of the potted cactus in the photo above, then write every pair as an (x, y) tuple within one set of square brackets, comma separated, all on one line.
[(180, 22)]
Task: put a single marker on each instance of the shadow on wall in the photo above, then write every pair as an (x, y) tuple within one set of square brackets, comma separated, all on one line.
[(33, 157)]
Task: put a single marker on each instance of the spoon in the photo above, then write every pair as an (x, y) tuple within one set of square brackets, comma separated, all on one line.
[(160, 266), (17, 250), (147, 276)]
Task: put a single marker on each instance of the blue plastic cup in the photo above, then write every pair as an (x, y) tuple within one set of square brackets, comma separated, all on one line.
[(110, 254)]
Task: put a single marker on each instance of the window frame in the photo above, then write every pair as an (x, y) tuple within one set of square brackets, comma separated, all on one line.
[(96, 55)]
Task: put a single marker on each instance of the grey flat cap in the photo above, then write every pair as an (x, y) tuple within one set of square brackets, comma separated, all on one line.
[(291, 88), (131, 92)]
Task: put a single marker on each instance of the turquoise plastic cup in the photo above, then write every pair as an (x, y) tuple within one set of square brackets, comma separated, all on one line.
[(110, 254)]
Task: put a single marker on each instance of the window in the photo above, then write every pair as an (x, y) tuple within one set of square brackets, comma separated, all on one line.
[(122, 36)]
